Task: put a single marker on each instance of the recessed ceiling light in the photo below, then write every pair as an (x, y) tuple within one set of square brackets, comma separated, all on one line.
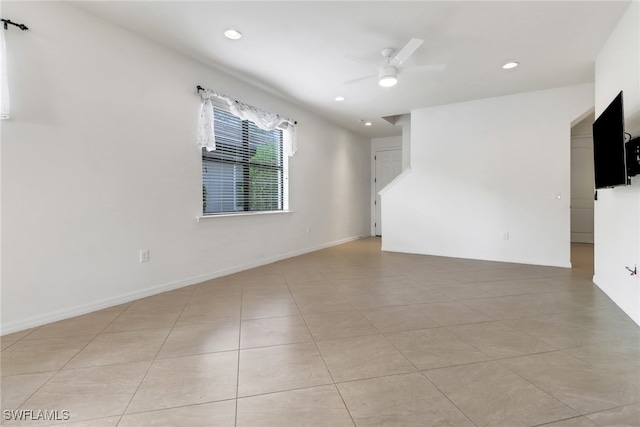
[(233, 34), (339, 98), (510, 65), (368, 124)]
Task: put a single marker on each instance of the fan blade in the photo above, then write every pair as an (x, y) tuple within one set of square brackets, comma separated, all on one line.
[(406, 52), (428, 67), (359, 60), (359, 79)]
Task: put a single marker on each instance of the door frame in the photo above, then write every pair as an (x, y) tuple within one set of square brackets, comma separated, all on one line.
[(379, 144), (577, 143), (374, 153)]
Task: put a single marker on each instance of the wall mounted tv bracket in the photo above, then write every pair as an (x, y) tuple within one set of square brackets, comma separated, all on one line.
[(633, 157)]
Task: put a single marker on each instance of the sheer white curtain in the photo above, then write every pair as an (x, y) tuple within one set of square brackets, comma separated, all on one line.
[(4, 84), (206, 133), (263, 119)]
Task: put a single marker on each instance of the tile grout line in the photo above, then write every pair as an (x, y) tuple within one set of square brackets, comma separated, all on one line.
[(153, 360), (359, 310), (335, 386), (66, 363), (499, 361), (423, 374), (563, 419), (446, 328), (448, 398), (235, 420)]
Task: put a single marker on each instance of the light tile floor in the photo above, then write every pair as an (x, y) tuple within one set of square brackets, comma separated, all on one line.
[(344, 336)]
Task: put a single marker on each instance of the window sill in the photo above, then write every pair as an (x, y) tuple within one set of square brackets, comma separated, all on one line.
[(226, 215)]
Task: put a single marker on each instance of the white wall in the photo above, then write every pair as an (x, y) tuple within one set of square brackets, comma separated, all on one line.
[(98, 162), (482, 168), (617, 211)]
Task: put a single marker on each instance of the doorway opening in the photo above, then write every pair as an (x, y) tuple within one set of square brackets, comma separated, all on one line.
[(582, 194), (582, 257)]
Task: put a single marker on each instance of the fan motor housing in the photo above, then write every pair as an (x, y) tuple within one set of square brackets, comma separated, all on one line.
[(387, 71), (388, 76)]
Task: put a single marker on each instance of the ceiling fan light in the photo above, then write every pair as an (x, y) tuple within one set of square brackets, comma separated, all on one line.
[(388, 81), (388, 76)]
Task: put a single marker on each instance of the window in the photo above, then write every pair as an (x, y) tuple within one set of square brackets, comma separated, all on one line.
[(247, 172)]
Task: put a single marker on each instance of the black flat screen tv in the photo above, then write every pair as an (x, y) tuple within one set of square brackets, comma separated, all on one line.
[(609, 146)]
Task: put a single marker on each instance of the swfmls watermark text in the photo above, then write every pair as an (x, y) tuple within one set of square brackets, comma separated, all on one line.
[(36, 415)]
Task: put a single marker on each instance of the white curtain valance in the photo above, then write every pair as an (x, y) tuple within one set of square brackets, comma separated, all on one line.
[(4, 84), (263, 119)]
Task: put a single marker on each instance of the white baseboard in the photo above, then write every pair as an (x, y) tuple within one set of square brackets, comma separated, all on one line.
[(43, 319), (515, 260), (625, 304)]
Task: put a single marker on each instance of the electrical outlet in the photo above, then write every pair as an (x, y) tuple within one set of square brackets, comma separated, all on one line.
[(308, 228), (505, 235), (144, 255)]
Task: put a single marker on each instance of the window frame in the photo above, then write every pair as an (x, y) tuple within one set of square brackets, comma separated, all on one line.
[(284, 181)]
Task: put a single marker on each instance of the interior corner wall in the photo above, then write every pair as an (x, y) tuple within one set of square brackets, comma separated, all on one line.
[(490, 179), (405, 122), (617, 210), (99, 162)]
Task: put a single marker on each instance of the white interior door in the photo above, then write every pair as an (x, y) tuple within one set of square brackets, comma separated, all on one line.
[(582, 189), (388, 165)]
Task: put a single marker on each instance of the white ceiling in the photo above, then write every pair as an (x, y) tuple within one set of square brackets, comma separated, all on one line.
[(304, 50)]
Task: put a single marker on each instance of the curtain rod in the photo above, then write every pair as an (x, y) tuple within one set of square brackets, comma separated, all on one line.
[(8, 22), (199, 88)]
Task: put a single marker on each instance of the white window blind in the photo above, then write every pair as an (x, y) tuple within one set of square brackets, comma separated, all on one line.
[(247, 172)]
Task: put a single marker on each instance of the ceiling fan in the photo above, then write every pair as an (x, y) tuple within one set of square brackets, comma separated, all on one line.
[(388, 73)]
